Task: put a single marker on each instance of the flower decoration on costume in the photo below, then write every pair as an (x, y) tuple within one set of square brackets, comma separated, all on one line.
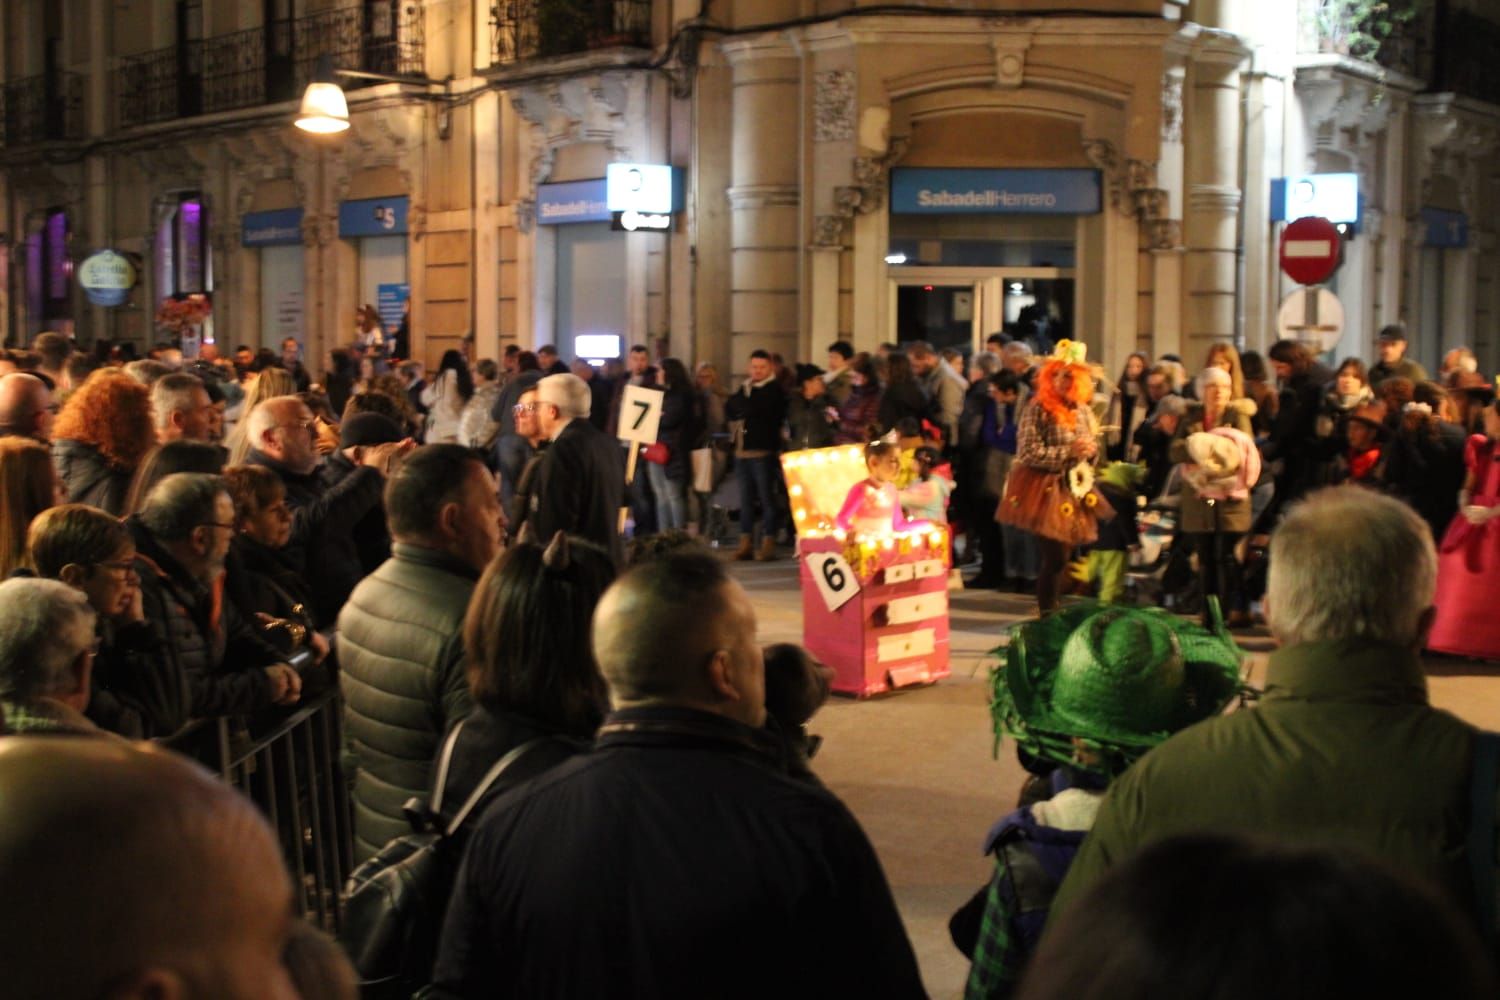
[(1081, 480), (1067, 508)]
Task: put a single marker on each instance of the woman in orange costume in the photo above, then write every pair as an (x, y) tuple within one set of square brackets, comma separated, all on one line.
[(1049, 491)]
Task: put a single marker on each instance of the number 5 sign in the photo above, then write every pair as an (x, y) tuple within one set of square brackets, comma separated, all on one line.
[(834, 577), (640, 413)]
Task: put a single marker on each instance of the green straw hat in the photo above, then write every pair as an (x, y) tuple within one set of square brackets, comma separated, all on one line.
[(1121, 680)]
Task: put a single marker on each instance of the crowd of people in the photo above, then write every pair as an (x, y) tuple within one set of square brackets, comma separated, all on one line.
[(214, 538)]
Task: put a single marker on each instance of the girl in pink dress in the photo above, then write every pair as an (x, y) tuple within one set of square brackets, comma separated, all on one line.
[(873, 505), (1469, 556)]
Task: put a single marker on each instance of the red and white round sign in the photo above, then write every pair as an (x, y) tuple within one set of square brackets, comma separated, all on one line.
[(1311, 250)]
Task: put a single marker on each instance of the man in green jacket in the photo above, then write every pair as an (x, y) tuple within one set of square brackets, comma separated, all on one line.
[(1344, 749), (400, 643)]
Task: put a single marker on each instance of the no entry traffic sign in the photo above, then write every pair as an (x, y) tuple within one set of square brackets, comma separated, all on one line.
[(1310, 250)]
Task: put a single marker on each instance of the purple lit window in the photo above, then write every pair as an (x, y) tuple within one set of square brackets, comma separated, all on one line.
[(59, 269)]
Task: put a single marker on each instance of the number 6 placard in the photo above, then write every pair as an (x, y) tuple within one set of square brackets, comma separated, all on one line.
[(640, 414), (835, 578)]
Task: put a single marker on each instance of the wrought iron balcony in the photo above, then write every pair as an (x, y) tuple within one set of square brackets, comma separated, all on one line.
[(47, 107), (268, 64), (539, 29)]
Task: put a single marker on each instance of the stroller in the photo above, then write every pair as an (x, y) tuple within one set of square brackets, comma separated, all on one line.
[(1146, 578)]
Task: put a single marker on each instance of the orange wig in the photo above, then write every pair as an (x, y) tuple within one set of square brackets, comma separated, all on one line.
[(1063, 402), (112, 412)]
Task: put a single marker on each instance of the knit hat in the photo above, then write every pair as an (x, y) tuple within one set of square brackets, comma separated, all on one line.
[(368, 429), (1121, 680), (806, 373)]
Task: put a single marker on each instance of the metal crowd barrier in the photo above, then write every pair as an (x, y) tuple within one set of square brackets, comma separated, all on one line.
[(289, 766)]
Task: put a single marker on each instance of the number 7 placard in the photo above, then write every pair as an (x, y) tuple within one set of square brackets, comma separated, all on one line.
[(640, 414), (834, 577)]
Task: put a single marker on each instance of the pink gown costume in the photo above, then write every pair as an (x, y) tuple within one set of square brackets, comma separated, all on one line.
[(873, 508), (1468, 563)]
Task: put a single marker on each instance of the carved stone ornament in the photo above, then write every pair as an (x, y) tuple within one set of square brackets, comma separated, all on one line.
[(1101, 153), (1171, 108), (833, 105), (828, 232), (525, 215), (607, 108)]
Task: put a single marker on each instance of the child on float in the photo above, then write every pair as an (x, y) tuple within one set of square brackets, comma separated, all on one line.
[(873, 505), (927, 496)]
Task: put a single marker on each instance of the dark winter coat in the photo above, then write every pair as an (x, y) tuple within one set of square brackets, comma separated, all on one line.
[(898, 401), (323, 520), (580, 487), (219, 653), (89, 477), (680, 429), (259, 580), (401, 657), (135, 689), (808, 423), (731, 878), (1425, 467), (372, 539), (763, 410), (485, 738)]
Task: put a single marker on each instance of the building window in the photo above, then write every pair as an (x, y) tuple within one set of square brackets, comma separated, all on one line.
[(184, 265), (49, 272)]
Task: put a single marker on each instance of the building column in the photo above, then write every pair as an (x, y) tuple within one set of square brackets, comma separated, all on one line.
[(764, 197), (1213, 195)]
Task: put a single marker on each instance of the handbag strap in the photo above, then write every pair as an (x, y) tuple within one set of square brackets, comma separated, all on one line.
[(485, 783), (444, 759), (1482, 831)]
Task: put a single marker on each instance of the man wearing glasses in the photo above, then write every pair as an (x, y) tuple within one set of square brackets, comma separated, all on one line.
[(26, 407), (284, 439)]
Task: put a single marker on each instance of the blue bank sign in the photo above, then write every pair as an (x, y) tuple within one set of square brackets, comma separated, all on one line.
[(280, 228), (921, 191), (373, 217), (1444, 229), (572, 201)]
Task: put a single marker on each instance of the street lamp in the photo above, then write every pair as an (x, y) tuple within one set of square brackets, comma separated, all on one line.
[(325, 111)]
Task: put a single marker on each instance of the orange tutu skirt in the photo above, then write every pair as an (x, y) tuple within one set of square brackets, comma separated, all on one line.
[(1041, 503)]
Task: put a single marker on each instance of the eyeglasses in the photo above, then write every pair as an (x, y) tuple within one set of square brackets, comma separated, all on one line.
[(524, 408), (120, 566), (310, 426)]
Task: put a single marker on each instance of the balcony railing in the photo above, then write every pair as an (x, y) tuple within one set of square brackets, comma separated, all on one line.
[(539, 29), (269, 64), (43, 108)]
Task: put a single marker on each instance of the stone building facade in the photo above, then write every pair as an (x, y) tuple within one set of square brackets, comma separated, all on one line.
[(942, 170)]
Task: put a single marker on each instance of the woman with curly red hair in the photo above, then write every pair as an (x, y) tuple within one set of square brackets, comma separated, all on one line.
[(100, 436), (1049, 491)]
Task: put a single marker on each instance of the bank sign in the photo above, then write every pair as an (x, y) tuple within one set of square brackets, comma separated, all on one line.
[(373, 217), (279, 228), (922, 191), (572, 201)]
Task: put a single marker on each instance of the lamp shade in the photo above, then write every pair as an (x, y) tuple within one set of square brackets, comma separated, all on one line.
[(324, 109)]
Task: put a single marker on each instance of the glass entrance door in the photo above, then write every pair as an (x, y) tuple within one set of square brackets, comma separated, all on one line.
[(961, 307)]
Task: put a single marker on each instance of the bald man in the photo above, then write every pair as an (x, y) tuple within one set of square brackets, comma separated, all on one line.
[(26, 407), (678, 859), (284, 438), (131, 873)]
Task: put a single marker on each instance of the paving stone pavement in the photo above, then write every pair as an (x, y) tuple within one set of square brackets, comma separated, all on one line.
[(917, 766)]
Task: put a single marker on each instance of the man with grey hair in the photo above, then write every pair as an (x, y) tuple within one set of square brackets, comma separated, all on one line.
[(27, 408), (181, 408), (1344, 748), (580, 484), (46, 656), (182, 538)]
